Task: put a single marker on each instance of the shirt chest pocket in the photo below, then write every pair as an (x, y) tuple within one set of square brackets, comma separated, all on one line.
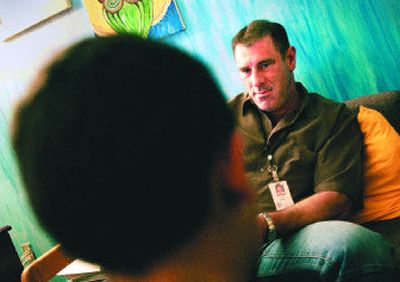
[(297, 166)]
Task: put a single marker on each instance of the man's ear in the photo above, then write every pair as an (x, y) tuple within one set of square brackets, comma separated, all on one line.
[(233, 173), (291, 58)]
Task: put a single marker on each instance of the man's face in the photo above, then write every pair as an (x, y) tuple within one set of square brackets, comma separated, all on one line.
[(268, 76)]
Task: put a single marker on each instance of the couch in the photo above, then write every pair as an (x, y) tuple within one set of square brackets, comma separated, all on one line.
[(388, 104)]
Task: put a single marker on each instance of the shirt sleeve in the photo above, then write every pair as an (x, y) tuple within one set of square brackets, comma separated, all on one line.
[(339, 160)]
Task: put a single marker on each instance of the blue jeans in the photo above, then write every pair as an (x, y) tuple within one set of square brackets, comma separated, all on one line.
[(328, 251)]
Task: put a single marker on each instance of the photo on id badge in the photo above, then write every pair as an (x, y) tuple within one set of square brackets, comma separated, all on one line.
[(281, 195)]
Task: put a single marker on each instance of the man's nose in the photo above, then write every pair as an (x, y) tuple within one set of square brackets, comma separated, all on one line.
[(256, 78)]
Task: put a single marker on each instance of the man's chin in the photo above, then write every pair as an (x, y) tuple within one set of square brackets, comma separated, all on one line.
[(266, 106)]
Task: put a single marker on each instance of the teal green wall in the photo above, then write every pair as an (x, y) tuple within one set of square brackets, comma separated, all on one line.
[(14, 208), (346, 48)]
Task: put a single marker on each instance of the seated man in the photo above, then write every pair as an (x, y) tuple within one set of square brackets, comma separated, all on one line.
[(303, 156), (123, 167)]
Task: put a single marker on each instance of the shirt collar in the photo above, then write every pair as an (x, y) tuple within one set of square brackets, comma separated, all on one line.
[(247, 102)]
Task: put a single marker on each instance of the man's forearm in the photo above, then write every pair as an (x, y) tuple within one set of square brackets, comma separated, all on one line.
[(321, 206)]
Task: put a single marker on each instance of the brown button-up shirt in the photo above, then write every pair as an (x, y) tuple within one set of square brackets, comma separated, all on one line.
[(316, 148)]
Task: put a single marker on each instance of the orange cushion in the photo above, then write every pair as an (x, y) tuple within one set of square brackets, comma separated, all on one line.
[(381, 168)]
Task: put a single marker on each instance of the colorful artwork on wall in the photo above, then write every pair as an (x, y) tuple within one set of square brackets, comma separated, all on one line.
[(146, 18)]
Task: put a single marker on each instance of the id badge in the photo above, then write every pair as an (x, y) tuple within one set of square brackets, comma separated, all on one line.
[(281, 195)]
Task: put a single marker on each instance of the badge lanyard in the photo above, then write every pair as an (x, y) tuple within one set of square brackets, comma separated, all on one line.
[(279, 189)]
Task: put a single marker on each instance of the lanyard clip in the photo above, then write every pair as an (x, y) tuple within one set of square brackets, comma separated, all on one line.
[(273, 169)]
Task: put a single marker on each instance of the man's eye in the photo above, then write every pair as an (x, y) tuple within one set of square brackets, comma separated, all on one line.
[(245, 71), (264, 65)]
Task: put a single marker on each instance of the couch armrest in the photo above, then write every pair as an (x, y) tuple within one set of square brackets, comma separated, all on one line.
[(387, 103)]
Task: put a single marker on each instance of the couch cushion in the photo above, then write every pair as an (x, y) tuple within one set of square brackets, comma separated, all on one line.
[(381, 168)]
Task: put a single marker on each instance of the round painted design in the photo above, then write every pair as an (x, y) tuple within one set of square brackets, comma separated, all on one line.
[(113, 6)]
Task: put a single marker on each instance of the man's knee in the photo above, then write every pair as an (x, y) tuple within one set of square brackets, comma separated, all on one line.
[(350, 249), (331, 250)]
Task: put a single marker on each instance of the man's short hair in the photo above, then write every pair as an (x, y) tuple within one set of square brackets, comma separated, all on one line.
[(257, 30), (116, 148)]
